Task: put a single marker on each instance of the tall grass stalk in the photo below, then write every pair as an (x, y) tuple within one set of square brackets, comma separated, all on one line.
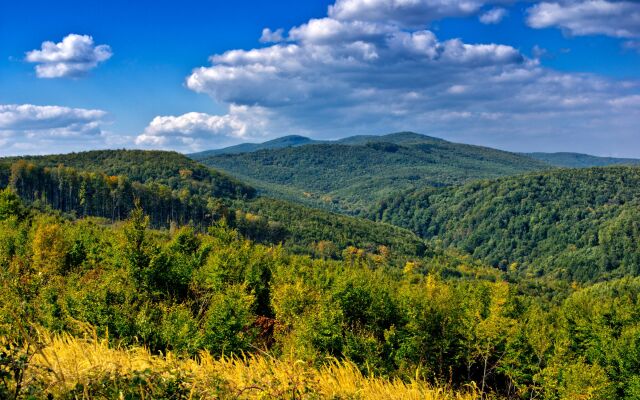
[(67, 364)]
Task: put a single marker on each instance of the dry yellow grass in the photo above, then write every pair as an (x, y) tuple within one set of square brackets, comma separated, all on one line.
[(66, 361)]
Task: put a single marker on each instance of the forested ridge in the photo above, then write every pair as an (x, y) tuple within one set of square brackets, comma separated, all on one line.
[(576, 224), (578, 160), (352, 174), (281, 142), (107, 184), (177, 190), (167, 168), (324, 233)]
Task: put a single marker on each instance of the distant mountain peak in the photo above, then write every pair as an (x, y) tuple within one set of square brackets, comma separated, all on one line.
[(408, 134), (290, 139), (277, 143), (399, 138)]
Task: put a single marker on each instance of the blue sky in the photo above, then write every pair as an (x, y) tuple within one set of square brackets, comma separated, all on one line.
[(524, 76)]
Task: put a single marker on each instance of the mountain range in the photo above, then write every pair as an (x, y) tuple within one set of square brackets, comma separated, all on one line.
[(352, 174), (558, 159)]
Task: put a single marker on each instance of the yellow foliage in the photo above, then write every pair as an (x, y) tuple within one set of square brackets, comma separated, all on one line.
[(327, 199), (112, 180), (252, 217), (185, 173), (66, 361), (410, 268), (513, 267), (49, 249)]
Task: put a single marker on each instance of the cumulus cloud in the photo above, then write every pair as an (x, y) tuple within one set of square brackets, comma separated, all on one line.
[(351, 72), (194, 131), (588, 17), (28, 128), (493, 16), (74, 56), (348, 62), (414, 13)]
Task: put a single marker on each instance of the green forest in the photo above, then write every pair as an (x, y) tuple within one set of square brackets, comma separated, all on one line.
[(573, 224), (352, 174), (520, 285), (172, 189)]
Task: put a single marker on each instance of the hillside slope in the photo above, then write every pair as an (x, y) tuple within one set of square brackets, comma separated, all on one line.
[(578, 224), (279, 143), (172, 188), (162, 167), (577, 160), (352, 174)]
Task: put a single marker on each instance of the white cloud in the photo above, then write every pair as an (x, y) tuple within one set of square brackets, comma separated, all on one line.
[(341, 70), (415, 13), (74, 56), (269, 36), (349, 72), (31, 117), (632, 102), (493, 16), (194, 131), (457, 89), (588, 17), (28, 128)]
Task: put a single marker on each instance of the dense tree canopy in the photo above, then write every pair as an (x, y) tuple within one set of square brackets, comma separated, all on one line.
[(173, 194), (166, 168), (352, 174), (571, 224)]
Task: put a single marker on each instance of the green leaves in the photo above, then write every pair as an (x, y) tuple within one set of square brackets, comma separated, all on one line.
[(10, 205), (228, 323)]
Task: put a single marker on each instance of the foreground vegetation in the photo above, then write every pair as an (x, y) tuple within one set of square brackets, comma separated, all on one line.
[(68, 367), (438, 320)]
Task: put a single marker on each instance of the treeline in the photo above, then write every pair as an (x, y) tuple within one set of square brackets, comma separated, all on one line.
[(183, 291), (575, 224), (163, 167), (83, 193)]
